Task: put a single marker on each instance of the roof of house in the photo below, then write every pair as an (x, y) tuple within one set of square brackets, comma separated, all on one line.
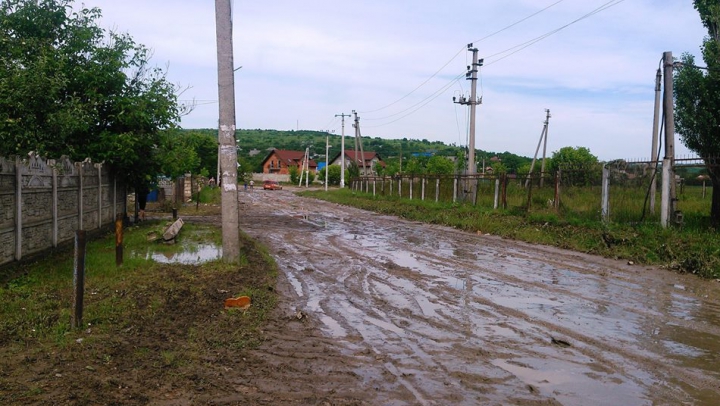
[(350, 154), (289, 157)]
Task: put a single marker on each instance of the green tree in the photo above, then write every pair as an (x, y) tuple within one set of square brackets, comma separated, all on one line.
[(294, 172), (176, 156), (439, 165), (579, 165), (571, 158), (353, 171), (499, 168), (68, 87), (333, 174), (206, 148), (415, 166), (697, 97)]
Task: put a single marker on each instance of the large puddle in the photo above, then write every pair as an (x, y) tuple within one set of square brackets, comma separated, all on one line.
[(188, 254)]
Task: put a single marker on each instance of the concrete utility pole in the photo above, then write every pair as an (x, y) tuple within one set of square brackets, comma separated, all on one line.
[(473, 101), (327, 160), (342, 150), (654, 152), (547, 127), (669, 193), (543, 136), (226, 133), (358, 142)]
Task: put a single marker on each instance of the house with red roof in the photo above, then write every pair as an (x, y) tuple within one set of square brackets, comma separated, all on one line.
[(279, 161), (371, 159)]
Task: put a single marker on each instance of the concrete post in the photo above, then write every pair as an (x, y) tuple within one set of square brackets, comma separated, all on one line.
[(437, 190), (605, 195), (54, 206), (497, 194), (18, 209), (665, 193), (226, 133)]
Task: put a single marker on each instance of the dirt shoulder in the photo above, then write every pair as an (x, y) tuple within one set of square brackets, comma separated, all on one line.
[(161, 336)]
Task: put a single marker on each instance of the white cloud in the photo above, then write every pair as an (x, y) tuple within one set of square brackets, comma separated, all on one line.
[(307, 61)]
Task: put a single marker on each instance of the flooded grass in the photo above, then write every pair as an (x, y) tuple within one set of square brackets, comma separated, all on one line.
[(147, 325), (694, 251)]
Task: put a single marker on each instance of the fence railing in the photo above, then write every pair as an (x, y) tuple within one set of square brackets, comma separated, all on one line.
[(618, 192)]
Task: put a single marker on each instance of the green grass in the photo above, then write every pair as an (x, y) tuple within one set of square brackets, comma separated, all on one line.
[(149, 323), (692, 250), (210, 195)]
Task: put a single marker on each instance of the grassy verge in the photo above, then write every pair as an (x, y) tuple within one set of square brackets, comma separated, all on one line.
[(693, 251), (148, 328)]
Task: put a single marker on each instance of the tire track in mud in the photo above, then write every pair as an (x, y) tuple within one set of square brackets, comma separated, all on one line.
[(590, 348), (451, 317)]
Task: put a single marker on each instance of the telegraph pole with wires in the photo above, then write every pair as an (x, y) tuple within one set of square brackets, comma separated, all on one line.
[(543, 137), (669, 196), (654, 152), (342, 150), (472, 102), (358, 142), (542, 166)]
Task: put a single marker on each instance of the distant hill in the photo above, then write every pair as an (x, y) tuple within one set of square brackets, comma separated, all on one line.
[(255, 144)]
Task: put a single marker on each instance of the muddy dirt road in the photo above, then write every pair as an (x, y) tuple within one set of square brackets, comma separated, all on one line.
[(435, 316)]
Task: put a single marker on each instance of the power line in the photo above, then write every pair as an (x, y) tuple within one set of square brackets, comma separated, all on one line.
[(424, 102), (456, 55), (520, 47), (516, 48), (444, 87)]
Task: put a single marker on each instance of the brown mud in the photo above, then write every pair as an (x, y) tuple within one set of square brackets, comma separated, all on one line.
[(375, 310), (434, 316)]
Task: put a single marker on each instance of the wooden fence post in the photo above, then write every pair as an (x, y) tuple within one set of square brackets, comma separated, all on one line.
[(529, 198), (556, 201), (118, 240), (475, 191), (78, 279), (503, 191)]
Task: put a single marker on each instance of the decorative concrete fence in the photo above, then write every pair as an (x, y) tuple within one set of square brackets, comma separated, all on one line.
[(43, 202)]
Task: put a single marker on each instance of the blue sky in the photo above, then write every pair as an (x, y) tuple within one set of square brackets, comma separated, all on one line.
[(305, 61)]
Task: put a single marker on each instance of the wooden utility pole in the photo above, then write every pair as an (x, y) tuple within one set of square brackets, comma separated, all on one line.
[(654, 152), (226, 133), (342, 150), (669, 193)]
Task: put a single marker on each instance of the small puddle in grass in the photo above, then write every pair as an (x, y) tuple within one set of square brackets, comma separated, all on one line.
[(187, 254)]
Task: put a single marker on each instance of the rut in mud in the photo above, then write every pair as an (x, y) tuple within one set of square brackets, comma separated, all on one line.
[(434, 316)]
